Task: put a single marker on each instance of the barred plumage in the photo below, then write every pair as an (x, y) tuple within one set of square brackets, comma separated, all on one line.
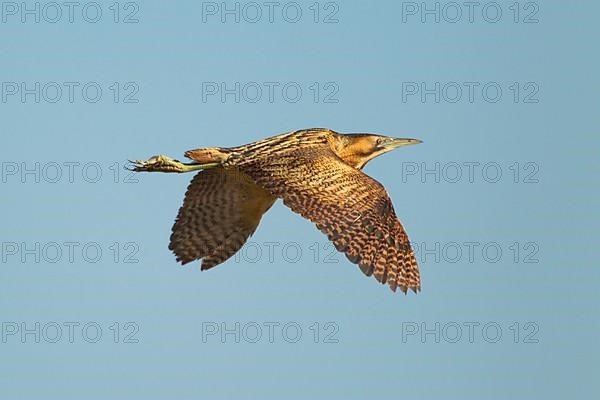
[(221, 209), (316, 172)]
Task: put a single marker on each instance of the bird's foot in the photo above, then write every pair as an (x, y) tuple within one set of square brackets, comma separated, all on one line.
[(162, 163), (158, 163)]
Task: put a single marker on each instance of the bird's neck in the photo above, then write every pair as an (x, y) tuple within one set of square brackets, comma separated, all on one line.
[(353, 159), (351, 152)]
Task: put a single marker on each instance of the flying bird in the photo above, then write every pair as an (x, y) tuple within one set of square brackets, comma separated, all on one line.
[(317, 173)]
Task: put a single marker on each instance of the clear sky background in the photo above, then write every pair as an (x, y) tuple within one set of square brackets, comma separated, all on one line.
[(510, 276)]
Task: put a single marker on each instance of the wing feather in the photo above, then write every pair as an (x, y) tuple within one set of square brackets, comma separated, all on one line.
[(221, 209), (351, 208)]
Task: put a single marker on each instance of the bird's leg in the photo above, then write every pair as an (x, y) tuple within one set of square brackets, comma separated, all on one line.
[(166, 164)]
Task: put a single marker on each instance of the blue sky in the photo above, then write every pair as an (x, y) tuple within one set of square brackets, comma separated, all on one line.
[(498, 200)]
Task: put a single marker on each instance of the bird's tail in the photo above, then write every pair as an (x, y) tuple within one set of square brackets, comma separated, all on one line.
[(207, 155)]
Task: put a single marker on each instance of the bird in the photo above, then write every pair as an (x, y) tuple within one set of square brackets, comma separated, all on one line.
[(317, 172)]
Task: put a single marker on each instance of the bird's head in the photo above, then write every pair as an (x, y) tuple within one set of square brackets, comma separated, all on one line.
[(357, 149)]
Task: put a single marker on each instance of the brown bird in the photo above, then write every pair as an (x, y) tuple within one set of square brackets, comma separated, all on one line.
[(317, 173)]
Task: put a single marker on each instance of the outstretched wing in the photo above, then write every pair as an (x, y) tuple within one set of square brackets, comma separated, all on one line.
[(221, 209), (353, 209)]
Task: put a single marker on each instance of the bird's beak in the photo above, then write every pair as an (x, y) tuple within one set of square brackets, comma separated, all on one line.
[(394, 143)]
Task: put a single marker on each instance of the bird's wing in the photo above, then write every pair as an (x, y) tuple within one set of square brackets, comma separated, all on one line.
[(353, 209), (221, 209)]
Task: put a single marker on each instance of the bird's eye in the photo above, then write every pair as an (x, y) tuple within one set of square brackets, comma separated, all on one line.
[(380, 141)]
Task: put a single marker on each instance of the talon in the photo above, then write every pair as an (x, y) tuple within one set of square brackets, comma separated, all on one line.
[(158, 163), (140, 165), (132, 166), (162, 163)]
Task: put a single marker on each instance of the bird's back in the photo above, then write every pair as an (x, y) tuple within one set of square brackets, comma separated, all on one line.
[(262, 149)]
